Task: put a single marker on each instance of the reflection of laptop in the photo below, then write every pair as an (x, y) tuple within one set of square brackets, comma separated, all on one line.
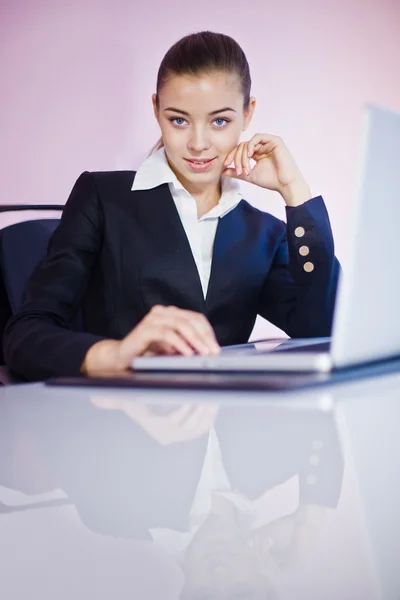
[(371, 518), (367, 315)]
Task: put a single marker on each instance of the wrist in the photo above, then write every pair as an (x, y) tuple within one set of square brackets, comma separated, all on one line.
[(296, 193), (102, 356)]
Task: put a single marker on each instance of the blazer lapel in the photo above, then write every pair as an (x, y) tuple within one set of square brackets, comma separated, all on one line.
[(225, 267), (168, 262)]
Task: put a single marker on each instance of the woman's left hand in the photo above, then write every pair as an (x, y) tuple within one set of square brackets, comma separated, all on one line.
[(275, 168)]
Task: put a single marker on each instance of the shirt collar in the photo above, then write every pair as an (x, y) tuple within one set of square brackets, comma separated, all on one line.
[(155, 171)]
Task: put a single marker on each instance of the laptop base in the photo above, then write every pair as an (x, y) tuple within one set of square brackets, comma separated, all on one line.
[(233, 381)]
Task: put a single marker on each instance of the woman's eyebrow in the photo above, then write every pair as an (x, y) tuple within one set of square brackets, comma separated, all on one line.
[(214, 112)]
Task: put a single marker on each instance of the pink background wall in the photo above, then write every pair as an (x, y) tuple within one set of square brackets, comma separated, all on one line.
[(77, 77)]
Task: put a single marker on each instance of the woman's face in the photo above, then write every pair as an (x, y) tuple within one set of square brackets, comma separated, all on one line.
[(201, 118)]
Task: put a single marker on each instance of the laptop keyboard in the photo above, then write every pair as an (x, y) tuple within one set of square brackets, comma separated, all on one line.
[(318, 347)]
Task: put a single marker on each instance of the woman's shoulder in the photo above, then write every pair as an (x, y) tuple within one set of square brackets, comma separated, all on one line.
[(113, 177), (107, 185), (95, 188)]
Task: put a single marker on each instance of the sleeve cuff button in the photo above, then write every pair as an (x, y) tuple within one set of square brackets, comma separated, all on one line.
[(308, 267), (299, 232)]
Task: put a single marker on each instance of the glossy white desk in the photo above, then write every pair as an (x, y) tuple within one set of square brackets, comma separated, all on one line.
[(108, 493)]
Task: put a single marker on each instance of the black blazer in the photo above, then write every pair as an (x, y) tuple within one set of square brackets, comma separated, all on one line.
[(117, 253)]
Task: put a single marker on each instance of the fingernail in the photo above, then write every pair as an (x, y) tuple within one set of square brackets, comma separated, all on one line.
[(239, 171)]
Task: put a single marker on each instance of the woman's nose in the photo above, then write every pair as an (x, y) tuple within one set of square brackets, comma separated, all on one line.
[(198, 142)]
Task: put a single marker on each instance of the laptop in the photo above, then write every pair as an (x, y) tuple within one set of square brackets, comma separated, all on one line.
[(366, 327)]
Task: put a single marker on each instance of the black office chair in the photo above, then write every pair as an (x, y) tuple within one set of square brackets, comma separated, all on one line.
[(22, 246)]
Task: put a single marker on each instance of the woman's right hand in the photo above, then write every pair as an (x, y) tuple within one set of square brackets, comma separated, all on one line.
[(182, 423), (164, 330)]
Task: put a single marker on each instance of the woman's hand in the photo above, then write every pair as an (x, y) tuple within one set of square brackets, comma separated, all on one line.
[(182, 424), (164, 330), (274, 169)]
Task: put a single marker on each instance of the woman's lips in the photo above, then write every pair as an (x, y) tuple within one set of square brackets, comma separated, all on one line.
[(204, 165)]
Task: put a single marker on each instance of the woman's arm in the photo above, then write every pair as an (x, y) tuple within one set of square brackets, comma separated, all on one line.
[(37, 340), (299, 292)]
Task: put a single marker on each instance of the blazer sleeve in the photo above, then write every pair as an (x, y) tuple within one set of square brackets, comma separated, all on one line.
[(38, 342), (298, 295)]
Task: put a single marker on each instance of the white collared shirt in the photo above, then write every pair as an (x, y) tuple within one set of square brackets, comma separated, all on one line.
[(155, 171)]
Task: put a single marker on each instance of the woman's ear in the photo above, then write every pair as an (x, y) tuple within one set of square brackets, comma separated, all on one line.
[(155, 109), (249, 113)]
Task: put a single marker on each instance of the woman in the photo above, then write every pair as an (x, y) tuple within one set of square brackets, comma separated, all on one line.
[(171, 259)]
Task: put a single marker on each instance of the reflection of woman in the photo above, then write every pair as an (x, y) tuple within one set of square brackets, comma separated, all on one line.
[(215, 549), (172, 259), (259, 502)]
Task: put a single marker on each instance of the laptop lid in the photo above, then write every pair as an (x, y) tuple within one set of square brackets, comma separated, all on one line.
[(367, 316)]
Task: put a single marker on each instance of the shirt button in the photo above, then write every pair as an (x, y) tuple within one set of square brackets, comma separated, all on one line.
[(313, 460), (299, 232), (304, 250), (311, 479), (308, 267)]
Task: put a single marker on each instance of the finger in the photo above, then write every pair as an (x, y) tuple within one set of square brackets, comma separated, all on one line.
[(238, 172), (157, 309), (252, 146), (258, 141), (204, 328), (166, 349), (166, 337), (238, 159), (186, 331), (198, 341), (230, 157), (246, 160), (195, 330), (147, 337), (198, 331)]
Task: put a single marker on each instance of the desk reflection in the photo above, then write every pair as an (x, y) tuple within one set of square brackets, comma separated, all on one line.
[(235, 495)]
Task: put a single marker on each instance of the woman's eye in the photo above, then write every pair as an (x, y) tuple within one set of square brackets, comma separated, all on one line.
[(218, 122), (175, 119)]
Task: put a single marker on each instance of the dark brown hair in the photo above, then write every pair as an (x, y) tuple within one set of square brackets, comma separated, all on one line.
[(200, 53)]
